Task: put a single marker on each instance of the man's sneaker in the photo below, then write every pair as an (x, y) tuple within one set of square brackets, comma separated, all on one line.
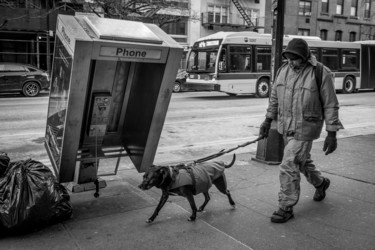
[(320, 192), (281, 216)]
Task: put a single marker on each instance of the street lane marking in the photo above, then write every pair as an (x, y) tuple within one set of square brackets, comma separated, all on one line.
[(20, 135), (213, 119), (351, 126), (240, 140)]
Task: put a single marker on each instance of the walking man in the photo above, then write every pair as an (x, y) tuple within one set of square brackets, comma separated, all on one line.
[(301, 105)]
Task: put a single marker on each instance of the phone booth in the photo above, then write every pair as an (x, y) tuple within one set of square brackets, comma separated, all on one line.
[(111, 83)]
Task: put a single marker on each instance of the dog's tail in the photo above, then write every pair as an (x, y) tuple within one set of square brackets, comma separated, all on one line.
[(231, 164)]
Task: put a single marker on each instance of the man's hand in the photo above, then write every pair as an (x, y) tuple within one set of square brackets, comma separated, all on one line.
[(330, 143), (265, 128)]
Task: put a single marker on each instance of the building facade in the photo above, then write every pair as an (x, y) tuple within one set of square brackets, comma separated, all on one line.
[(27, 29), (336, 20), (212, 16), (27, 26)]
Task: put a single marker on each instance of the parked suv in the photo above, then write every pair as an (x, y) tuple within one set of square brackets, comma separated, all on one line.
[(16, 77)]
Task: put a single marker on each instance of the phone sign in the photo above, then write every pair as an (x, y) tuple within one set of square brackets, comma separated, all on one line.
[(128, 52)]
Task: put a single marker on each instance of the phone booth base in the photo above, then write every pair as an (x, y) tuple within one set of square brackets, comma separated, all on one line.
[(111, 85)]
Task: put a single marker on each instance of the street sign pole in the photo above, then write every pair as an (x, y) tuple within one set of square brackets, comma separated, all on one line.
[(270, 149)]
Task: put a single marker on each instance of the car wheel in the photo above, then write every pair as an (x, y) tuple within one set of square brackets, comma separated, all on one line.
[(177, 87), (31, 89), (349, 85), (263, 88)]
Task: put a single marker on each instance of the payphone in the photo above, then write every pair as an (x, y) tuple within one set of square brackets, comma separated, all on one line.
[(111, 84), (99, 115)]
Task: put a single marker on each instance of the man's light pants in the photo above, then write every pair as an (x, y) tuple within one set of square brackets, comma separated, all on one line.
[(296, 159)]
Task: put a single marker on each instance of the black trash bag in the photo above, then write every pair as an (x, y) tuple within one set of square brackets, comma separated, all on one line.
[(4, 162), (31, 198)]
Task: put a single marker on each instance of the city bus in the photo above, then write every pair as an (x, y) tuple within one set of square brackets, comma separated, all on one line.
[(240, 63)]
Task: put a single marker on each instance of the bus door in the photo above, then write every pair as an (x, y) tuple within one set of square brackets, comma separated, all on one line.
[(367, 66)]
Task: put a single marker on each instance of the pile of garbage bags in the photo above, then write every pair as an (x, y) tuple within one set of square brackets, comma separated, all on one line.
[(30, 196)]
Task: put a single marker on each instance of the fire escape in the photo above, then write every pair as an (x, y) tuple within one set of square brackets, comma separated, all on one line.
[(243, 14)]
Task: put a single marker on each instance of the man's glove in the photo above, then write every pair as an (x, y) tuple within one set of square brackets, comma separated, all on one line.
[(330, 143), (265, 128)]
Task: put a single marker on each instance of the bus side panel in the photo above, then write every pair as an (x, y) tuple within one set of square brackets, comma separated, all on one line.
[(241, 86), (238, 83), (340, 76)]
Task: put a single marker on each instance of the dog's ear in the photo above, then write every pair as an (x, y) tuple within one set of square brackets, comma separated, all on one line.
[(164, 172)]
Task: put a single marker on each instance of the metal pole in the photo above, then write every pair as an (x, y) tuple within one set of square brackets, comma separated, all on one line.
[(48, 40), (270, 150), (37, 51), (277, 36)]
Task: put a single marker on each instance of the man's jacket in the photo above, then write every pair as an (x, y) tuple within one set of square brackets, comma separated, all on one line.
[(300, 106)]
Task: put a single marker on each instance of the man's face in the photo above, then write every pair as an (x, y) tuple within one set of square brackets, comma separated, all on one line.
[(294, 62)]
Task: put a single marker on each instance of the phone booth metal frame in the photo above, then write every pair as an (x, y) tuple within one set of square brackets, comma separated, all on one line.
[(111, 85)]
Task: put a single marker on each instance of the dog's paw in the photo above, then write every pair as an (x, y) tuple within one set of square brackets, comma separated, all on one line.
[(233, 206), (149, 221), (191, 219)]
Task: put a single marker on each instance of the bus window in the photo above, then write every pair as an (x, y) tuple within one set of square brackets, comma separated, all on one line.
[(191, 61), (314, 52), (223, 61), (330, 58), (349, 58), (263, 59), (239, 59), (203, 61)]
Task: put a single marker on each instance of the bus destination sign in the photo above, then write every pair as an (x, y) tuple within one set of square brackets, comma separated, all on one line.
[(209, 43)]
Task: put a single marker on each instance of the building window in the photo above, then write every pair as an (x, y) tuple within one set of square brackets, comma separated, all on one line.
[(303, 32), (178, 28), (325, 6), (352, 36), (304, 8), (338, 35), (340, 7), (354, 8), (254, 16), (323, 34), (367, 9), (217, 14)]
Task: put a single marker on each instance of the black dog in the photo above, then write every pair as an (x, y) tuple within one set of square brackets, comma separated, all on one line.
[(187, 181)]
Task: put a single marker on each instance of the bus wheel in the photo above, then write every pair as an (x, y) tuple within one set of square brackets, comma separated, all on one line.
[(176, 87), (263, 88), (349, 85)]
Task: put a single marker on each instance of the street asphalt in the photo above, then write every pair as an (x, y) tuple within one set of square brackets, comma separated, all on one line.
[(116, 220)]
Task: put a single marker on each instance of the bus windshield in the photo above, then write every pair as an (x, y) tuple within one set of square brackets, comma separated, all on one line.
[(202, 61)]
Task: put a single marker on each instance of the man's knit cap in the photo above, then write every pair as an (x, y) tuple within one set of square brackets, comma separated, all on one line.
[(297, 47)]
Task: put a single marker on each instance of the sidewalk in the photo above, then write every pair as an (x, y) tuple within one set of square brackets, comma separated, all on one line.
[(116, 220)]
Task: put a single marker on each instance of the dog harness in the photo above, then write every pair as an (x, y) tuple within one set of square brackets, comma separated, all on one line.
[(200, 175)]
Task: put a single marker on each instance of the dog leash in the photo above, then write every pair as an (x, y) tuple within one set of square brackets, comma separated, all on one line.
[(223, 151)]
